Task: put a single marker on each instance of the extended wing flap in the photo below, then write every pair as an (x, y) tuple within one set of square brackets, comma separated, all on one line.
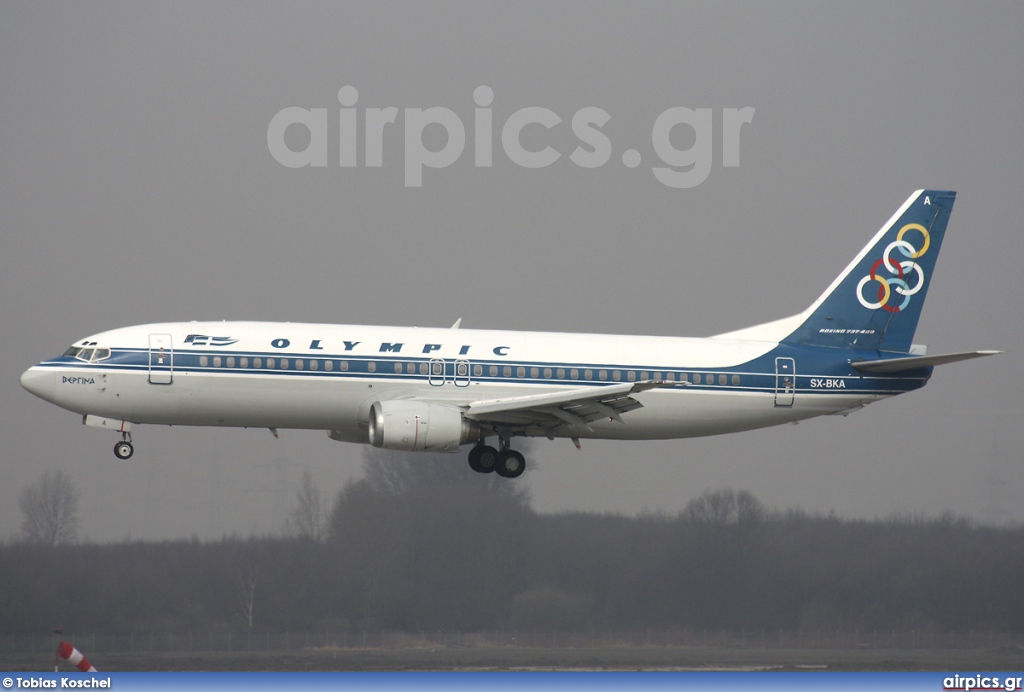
[(575, 407), (891, 365), (611, 407)]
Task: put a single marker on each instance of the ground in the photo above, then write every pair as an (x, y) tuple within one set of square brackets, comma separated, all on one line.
[(665, 658)]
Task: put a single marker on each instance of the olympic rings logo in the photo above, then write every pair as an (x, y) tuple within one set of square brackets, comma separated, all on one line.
[(897, 282)]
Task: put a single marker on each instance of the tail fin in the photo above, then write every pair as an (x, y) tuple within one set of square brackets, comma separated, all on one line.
[(876, 302)]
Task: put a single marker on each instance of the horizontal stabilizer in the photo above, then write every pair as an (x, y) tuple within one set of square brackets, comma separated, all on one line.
[(890, 365)]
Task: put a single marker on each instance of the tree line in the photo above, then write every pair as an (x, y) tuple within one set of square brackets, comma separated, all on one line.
[(422, 544)]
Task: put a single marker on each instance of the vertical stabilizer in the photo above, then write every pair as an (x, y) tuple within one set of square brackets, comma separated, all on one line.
[(876, 302)]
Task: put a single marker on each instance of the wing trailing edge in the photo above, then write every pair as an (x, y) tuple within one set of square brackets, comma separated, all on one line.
[(575, 407)]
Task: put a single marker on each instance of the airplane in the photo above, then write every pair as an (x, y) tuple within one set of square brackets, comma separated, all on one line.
[(430, 389)]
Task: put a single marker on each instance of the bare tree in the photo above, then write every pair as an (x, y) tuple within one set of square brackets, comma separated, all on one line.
[(247, 594), (719, 508), (50, 509), (307, 518)]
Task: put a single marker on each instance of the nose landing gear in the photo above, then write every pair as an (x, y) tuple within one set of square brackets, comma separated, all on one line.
[(124, 449)]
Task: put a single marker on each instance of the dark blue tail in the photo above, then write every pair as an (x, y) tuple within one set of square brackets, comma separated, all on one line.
[(876, 302)]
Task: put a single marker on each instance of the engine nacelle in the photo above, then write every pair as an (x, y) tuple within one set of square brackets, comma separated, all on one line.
[(416, 426)]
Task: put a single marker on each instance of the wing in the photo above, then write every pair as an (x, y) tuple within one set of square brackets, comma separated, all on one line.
[(575, 408)]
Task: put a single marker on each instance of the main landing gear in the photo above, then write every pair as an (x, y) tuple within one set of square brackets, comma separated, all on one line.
[(124, 449), (508, 463)]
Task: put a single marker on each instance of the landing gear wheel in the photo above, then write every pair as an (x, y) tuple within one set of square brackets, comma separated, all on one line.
[(483, 459), (124, 450), (511, 464)]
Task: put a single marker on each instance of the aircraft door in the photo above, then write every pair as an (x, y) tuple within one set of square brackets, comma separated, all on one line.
[(785, 381), (161, 359)]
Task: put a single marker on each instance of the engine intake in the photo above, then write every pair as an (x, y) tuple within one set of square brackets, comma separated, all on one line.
[(416, 426)]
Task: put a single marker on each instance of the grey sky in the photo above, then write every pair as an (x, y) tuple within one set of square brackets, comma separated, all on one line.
[(136, 185)]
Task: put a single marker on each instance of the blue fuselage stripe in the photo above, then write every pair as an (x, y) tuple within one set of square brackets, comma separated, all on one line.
[(814, 374)]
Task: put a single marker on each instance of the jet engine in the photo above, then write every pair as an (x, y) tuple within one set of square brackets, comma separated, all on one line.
[(416, 426)]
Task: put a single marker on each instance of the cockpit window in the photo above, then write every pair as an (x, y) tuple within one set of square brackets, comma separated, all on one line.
[(88, 355)]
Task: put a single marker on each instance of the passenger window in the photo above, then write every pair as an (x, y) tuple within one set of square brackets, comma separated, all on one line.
[(231, 361), (631, 376), (588, 374), (507, 371), (520, 371), (411, 368), (343, 366), (561, 373), (462, 369), (478, 370), (371, 366), (574, 374), (244, 361), (299, 364), (603, 374), (616, 375), (313, 365), (216, 361), (203, 361), (657, 375), (284, 363), (644, 375), (493, 370), (696, 378), (423, 368), (722, 379), (328, 365), (534, 372), (735, 380), (270, 363), (398, 368), (257, 362), (547, 373)]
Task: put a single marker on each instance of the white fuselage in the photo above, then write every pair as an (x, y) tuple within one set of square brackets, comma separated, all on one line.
[(319, 376)]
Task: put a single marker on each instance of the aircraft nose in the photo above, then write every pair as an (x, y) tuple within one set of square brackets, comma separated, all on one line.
[(39, 382)]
